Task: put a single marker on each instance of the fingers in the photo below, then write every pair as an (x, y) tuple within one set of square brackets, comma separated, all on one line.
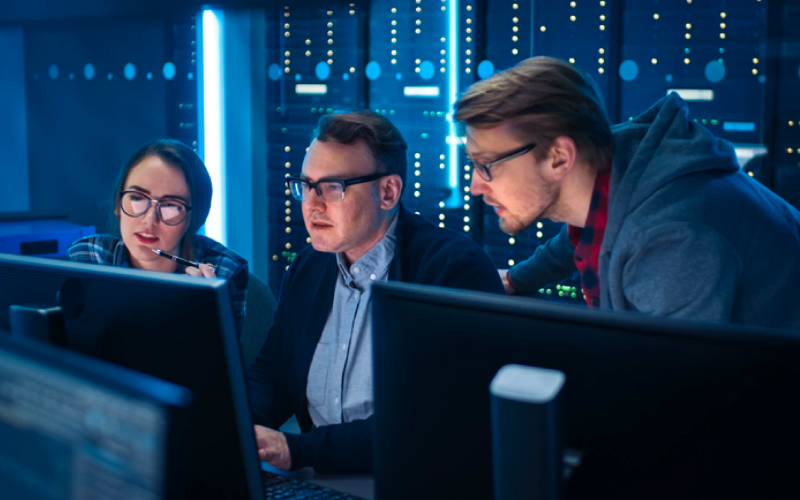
[(272, 447), (193, 271), (507, 286), (205, 270)]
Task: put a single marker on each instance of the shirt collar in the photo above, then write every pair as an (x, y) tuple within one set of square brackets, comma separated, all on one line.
[(375, 261)]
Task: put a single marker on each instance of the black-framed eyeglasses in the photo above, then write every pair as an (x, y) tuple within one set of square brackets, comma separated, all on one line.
[(170, 212), (484, 169), (329, 190)]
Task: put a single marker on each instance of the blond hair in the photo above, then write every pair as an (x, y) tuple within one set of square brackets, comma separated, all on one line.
[(544, 98)]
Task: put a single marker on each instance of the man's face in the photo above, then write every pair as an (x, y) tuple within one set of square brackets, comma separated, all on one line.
[(350, 226), (521, 191)]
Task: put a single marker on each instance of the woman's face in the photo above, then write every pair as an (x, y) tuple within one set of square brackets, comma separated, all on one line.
[(155, 179)]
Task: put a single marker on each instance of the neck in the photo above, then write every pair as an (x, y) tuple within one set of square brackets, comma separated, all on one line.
[(354, 254), (576, 195)]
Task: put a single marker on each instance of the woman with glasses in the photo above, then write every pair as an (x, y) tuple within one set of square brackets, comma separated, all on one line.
[(161, 199)]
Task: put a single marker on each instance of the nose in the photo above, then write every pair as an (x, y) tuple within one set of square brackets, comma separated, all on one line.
[(312, 200), (477, 185), (151, 216)]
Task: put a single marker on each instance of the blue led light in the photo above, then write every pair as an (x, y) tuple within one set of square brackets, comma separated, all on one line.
[(668, 78), (88, 71), (346, 76), (452, 94), (274, 72), (398, 76), (628, 70), (485, 69), (129, 71), (168, 71), (739, 127), (53, 71), (373, 70), (426, 70), (214, 120), (715, 71), (323, 71), (297, 77)]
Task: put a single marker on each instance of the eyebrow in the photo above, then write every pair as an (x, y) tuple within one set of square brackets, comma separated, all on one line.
[(326, 178), (147, 191)]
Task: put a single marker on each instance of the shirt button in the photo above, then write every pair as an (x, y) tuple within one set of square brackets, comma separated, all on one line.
[(373, 276), (344, 347), (356, 270), (336, 401)]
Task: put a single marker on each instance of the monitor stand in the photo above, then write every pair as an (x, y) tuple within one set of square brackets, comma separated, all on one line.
[(527, 442), (42, 323)]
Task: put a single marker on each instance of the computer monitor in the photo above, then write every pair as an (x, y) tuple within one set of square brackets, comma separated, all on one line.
[(72, 427), (175, 328), (658, 408)]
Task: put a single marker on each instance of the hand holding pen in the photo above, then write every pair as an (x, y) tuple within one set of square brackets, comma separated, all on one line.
[(192, 268)]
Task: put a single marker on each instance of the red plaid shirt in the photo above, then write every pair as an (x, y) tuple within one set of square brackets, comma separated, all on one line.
[(589, 239)]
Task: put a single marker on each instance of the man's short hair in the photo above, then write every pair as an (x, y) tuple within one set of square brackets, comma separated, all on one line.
[(543, 98), (381, 136)]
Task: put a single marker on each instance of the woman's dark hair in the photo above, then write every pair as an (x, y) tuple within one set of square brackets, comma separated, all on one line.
[(183, 157)]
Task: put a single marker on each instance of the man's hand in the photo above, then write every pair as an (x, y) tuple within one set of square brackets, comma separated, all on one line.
[(509, 288), (272, 447)]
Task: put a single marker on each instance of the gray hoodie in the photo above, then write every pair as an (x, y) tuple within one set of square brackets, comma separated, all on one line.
[(689, 235)]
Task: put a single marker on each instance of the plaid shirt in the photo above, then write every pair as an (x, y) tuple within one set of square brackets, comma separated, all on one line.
[(110, 251), (589, 239)]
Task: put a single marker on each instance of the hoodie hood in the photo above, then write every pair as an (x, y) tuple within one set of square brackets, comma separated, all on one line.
[(656, 148)]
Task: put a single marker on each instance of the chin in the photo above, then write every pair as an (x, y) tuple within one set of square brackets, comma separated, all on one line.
[(512, 228)]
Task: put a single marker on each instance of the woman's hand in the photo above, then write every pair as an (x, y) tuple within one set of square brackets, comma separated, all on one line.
[(205, 270)]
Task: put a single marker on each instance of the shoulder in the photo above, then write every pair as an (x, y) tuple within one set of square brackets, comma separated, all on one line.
[(420, 237), (437, 256), (228, 262), (309, 262), (95, 249)]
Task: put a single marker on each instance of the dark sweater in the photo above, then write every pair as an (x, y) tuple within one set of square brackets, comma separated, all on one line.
[(277, 381)]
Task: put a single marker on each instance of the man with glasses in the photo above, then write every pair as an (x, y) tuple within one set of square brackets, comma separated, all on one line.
[(317, 360), (659, 217)]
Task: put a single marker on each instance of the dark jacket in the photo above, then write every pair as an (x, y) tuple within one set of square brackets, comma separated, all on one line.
[(689, 234), (277, 381)]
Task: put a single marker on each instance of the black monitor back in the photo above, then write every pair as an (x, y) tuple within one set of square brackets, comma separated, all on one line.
[(71, 425), (176, 328), (659, 408)]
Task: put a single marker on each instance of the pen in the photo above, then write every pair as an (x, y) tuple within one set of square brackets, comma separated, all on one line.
[(181, 260)]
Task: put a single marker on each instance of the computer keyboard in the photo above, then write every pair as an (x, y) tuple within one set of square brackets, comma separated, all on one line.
[(280, 487)]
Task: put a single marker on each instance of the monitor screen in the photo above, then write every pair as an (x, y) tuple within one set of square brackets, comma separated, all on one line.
[(76, 428), (657, 408), (176, 328)]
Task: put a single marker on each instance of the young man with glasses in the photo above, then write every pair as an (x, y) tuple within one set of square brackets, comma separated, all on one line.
[(659, 217), (317, 360)]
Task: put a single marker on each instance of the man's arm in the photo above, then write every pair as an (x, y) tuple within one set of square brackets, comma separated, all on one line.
[(334, 449), (551, 262), (470, 270), (680, 270)]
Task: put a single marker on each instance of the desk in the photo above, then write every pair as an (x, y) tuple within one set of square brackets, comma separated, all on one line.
[(361, 485)]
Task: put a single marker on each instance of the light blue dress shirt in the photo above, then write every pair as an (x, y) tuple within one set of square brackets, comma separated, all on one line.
[(340, 378)]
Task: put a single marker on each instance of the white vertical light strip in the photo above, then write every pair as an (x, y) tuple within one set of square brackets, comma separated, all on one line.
[(213, 117), (452, 95)]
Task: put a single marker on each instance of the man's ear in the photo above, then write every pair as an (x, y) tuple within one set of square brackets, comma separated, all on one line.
[(563, 155), (391, 187)]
